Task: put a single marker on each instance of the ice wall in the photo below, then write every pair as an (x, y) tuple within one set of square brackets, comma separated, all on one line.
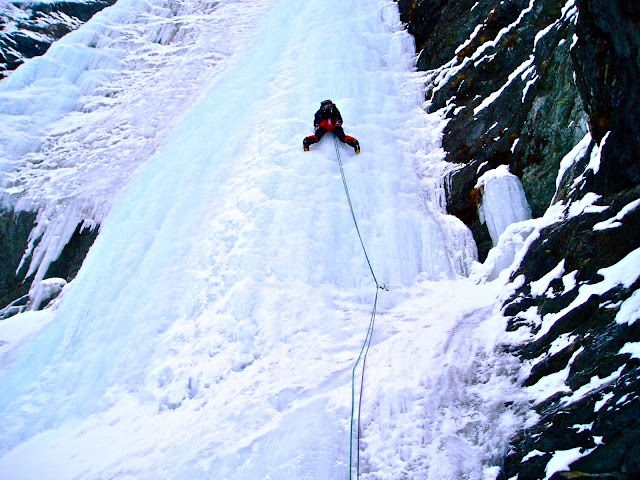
[(78, 122)]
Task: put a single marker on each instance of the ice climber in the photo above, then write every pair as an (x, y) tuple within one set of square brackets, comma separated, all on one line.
[(328, 119)]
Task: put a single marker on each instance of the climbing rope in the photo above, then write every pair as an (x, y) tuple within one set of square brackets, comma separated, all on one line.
[(367, 341), (353, 215)]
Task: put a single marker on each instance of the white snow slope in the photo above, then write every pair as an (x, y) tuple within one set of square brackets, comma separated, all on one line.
[(211, 331)]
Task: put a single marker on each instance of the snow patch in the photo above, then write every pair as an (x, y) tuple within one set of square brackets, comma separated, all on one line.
[(603, 401), (583, 427), (629, 310), (625, 273), (523, 71), (473, 35), (441, 76), (570, 10), (594, 384), (562, 460), (539, 287), (560, 343), (632, 348), (616, 221), (572, 157), (569, 281), (532, 454), (551, 384), (586, 205)]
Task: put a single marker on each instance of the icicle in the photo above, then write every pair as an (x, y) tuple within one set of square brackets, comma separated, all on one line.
[(503, 201)]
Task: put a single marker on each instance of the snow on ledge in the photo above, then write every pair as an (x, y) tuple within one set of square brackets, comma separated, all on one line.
[(562, 459), (570, 158), (539, 287), (631, 348), (624, 273), (523, 71), (615, 222), (629, 310)]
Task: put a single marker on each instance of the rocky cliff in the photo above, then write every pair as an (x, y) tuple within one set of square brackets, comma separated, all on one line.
[(547, 88), (17, 236), (28, 28)]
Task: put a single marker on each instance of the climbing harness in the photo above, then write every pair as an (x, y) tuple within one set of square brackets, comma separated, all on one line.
[(367, 341)]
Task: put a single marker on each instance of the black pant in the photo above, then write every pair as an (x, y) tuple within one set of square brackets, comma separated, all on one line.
[(337, 131)]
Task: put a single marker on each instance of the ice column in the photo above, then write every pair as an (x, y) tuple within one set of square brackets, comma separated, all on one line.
[(503, 201)]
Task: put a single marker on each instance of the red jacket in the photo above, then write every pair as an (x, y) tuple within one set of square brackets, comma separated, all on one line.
[(328, 119)]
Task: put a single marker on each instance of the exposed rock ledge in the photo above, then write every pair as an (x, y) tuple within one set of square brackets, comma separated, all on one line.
[(15, 231), (548, 87)]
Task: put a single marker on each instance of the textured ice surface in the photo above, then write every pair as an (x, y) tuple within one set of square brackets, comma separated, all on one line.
[(503, 201)]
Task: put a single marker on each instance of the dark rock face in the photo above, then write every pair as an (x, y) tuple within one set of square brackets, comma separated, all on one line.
[(536, 119), (15, 230), (27, 29), (607, 63), (522, 83), (14, 237), (595, 340)]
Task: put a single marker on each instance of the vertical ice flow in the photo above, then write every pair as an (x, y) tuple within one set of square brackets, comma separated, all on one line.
[(503, 201)]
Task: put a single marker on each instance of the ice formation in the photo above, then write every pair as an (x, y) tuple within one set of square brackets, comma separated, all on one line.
[(503, 201)]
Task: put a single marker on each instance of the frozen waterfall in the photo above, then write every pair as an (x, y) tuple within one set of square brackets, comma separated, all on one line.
[(503, 201)]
